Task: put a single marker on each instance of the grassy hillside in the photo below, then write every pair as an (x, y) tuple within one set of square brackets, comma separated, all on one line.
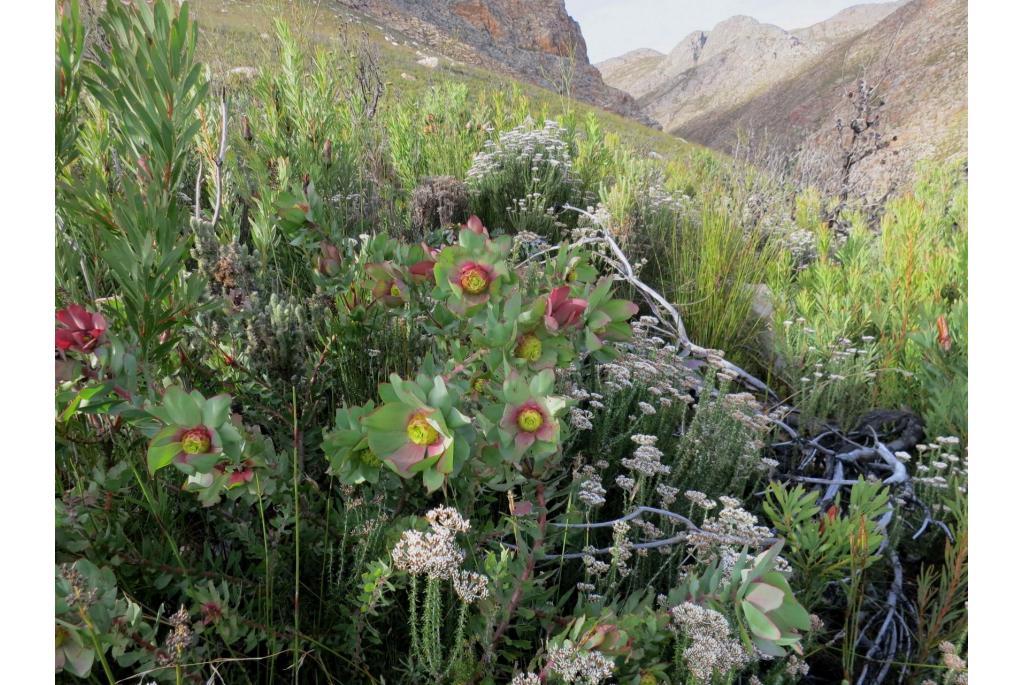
[(237, 33)]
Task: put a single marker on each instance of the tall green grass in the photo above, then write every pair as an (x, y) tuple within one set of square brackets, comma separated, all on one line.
[(887, 289)]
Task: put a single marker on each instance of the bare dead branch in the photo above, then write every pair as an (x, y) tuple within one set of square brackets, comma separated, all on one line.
[(221, 153)]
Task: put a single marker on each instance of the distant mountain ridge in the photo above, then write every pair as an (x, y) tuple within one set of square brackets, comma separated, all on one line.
[(918, 57), (740, 57), (745, 78)]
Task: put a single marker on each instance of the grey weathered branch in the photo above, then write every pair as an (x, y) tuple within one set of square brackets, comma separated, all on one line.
[(661, 308), (691, 529), (199, 190), (221, 154)]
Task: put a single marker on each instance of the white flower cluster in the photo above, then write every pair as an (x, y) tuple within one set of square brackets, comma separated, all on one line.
[(543, 149), (723, 536), (470, 586), (432, 553), (796, 667), (712, 649), (699, 499), (668, 495), (939, 466), (447, 518), (625, 482), (526, 679), (591, 493), (575, 666), (646, 458), (649, 362), (581, 419)]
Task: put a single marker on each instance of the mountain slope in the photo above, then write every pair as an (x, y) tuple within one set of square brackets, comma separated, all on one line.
[(535, 40), (918, 55), (739, 58), (235, 36)]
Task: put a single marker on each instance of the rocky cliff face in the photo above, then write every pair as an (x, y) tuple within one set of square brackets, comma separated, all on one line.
[(740, 57), (535, 40)]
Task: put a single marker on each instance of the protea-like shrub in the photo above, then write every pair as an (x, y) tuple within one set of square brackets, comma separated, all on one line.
[(470, 273), (79, 330), (347, 447), (388, 284), (529, 415), (197, 433), (766, 612), (414, 430)]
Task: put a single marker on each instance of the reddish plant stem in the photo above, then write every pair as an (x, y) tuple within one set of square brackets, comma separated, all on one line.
[(531, 561)]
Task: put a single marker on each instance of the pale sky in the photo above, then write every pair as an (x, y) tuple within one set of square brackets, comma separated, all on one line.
[(612, 27)]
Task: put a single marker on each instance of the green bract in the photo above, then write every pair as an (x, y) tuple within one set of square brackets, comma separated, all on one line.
[(606, 319), (771, 611), (766, 611), (197, 433), (468, 274), (347, 447), (414, 430)]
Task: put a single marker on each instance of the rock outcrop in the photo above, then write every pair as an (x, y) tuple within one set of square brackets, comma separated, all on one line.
[(535, 40)]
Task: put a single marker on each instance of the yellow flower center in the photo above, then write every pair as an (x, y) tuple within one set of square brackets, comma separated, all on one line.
[(530, 420), (420, 431), (480, 384), (395, 292), (196, 441), (473, 280), (529, 348)]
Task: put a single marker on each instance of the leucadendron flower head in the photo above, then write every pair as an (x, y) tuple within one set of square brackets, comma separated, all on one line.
[(606, 320), (475, 224), (79, 330), (470, 273), (197, 432), (529, 416), (518, 335), (223, 477), (538, 349), (347, 447), (329, 261), (388, 283), (561, 311), (422, 259), (414, 430)]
